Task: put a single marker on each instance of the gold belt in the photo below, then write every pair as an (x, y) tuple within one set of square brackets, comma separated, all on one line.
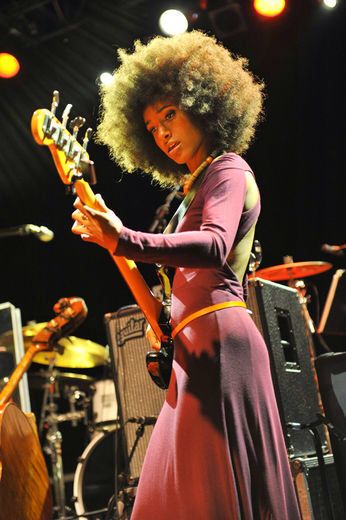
[(202, 312)]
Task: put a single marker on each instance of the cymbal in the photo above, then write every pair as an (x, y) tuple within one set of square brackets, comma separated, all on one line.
[(39, 379), (292, 270), (77, 353)]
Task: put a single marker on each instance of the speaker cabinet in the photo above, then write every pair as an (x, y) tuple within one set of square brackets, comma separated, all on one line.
[(316, 502), (278, 314), (331, 371), (139, 399)]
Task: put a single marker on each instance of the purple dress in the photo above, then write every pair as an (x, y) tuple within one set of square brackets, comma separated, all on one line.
[(217, 450)]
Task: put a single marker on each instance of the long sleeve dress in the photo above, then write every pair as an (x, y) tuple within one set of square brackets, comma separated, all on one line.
[(217, 450)]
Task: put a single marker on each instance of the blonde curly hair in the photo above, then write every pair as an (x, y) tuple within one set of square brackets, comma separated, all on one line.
[(192, 70)]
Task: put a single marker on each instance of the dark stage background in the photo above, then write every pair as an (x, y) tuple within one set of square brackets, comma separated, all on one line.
[(298, 154)]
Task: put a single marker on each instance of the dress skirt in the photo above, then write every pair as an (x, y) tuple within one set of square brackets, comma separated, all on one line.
[(217, 451)]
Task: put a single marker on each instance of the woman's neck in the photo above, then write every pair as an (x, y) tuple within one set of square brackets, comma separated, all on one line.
[(198, 157)]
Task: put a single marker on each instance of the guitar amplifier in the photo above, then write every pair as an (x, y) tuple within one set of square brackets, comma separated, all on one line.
[(278, 314), (139, 399)]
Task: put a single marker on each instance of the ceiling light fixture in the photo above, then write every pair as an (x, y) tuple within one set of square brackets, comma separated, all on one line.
[(269, 8), (9, 65), (173, 22)]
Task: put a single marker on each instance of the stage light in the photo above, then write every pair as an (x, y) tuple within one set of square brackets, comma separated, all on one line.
[(9, 65), (173, 22), (330, 3), (269, 8), (106, 78)]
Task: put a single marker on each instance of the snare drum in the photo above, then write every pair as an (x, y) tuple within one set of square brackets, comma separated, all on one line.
[(94, 480)]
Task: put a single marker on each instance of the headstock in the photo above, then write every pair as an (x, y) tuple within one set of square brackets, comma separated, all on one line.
[(71, 312), (71, 158)]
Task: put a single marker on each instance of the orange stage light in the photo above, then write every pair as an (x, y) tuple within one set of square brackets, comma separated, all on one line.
[(9, 65), (269, 8)]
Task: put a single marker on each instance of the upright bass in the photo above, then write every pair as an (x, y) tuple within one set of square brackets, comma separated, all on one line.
[(25, 492)]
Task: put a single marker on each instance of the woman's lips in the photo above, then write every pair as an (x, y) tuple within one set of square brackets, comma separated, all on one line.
[(173, 147)]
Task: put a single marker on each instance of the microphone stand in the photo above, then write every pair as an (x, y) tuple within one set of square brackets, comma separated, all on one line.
[(20, 231), (41, 232), (159, 223)]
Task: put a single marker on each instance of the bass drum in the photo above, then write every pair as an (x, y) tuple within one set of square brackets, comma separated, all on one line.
[(94, 479)]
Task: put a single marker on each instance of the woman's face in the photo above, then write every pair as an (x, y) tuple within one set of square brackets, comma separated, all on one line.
[(175, 134)]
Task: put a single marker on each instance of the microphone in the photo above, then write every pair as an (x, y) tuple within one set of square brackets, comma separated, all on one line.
[(41, 232), (333, 250), (145, 421)]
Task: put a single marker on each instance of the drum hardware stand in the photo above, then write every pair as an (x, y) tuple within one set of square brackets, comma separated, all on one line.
[(87, 514), (127, 484), (50, 422), (125, 495), (75, 396), (54, 440), (123, 504)]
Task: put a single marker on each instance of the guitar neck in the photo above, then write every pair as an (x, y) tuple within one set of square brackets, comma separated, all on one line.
[(18, 372), (150, 306), (64, 148)]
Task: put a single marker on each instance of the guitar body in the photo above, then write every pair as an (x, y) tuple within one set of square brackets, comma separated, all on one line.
[(25, 492)]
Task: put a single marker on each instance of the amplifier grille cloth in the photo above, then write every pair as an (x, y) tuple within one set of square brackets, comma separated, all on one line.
[(137, 394)]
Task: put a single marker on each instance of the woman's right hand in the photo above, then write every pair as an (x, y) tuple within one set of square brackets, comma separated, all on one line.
[(101, 227)]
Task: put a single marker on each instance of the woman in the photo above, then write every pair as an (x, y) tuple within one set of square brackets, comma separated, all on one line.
[(217, 450)]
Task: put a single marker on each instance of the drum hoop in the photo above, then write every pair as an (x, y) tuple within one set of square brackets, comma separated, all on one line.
[(80, 470)]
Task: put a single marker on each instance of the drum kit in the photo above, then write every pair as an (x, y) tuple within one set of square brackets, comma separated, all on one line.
[(76, 401)]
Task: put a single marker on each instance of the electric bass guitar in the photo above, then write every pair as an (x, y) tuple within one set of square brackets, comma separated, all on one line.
[(25, 491), (77, 170)]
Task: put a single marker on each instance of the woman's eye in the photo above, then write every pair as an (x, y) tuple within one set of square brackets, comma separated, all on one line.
[(170, 114), (152, 130)]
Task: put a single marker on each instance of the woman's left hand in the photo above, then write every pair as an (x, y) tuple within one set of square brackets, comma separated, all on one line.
[(99, 226)]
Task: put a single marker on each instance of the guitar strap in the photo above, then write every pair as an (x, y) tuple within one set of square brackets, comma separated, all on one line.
[(184, 206), (161, 270)]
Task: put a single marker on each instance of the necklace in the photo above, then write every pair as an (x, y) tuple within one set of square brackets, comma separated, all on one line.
[(192, 178)]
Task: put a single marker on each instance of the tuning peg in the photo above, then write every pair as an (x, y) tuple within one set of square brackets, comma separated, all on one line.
[(87, 138), (76, 124), (65, 114), (55, 102)]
